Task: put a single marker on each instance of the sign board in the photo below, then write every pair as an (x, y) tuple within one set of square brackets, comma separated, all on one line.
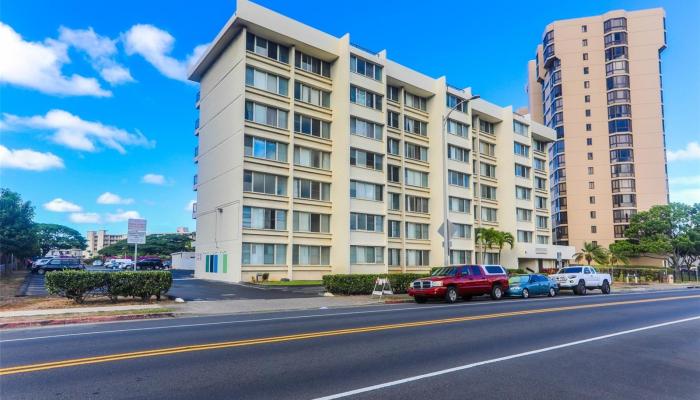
[(452, 229), (382, 286), (136, 233)]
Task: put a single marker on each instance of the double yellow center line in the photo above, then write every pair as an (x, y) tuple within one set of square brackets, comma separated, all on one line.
[(311, 335)]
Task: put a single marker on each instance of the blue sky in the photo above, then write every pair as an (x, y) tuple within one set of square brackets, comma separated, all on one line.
[(97, 117)]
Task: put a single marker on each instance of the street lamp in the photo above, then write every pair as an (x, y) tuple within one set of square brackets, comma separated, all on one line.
[(446, 223)]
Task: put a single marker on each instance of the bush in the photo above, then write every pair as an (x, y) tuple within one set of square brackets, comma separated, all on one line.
[(76, 285), (364, 283)]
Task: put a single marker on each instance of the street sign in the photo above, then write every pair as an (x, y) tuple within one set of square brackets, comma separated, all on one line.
[(136, 233), (452, 228)]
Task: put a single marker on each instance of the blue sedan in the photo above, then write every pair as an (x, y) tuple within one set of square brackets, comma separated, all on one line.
[(531, 285)]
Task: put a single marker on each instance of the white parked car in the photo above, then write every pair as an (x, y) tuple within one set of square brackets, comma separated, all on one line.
[(580, 278)]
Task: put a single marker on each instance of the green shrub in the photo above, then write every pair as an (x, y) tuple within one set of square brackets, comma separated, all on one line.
[(364, 283), (76, 285)]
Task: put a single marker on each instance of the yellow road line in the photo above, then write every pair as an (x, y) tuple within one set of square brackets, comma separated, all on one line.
[(287, 338)]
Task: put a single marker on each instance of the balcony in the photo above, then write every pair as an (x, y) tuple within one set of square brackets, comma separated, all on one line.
[(196, 99), (196, 153), (194, 210), (196, 127), (194, 182)]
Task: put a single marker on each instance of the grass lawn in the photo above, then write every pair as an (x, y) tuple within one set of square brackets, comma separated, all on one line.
[(292, 283)]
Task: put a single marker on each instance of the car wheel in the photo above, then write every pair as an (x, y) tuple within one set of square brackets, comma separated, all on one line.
[(552, 292), (605, 288), (526, 293), (451, 295), (420, 300), (467, 297), (496, 292), (41, 271), (581, 288)]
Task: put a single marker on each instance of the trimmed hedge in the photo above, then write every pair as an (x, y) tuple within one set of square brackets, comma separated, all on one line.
[(76, 285), (364, 283)]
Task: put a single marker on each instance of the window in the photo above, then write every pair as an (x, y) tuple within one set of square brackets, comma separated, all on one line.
[(586, 84), (394, 201), (539, 145), (311, 95), (623, 185), (312, 126), (265, 115), (619, 96), (453, 101), (591, 199), (540, 183), (264, 254), (589, 127), (541, 239), (522, 171), (366, 129), (457, 153), (591, 185), (416, 178), (590, 170), (585, 72), (585, 56), (587, 98), (623, 215), (392, 93), (621, 155), (260, 182), (486, 148), (488, 192), (366, 191), (415, 126), (417, 204), (593, 215), (489, 214), (366, 222), (366, 68), (615, 24), (523, 215), (457, 128), (521, 149), (366, 255), (417, 231), (624, 140), (584, 28), (461, 231), (619, 111), (589, 141), (312, 158), (415, 258), (414, 101), (264, 148), (394, 257), (460, 257), (617, 82), (393, 173), (524, 236), (624, 200), (416, 152), (365, 98), (459, 205), (264, 218), (458, 178), (311, 222), (584, 42), (311, 255), (311, 190), (312, 64), (617, 67), (540, 202), (589, 155), (486, 127), (539, 164), (393, 146), (541, 221), (619, 230), (487, 170), (266, 81), (267, 48), (519, 128), (394, 229), (393, 119), (588, 112), (522, 193), (366, 159)]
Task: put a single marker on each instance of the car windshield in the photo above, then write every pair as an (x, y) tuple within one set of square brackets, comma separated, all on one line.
[(570, 270), (445, 271), (517, 280)]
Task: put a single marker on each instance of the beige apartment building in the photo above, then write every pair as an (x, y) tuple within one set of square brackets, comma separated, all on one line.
[(316, 156), (97, 240), (597, 82)]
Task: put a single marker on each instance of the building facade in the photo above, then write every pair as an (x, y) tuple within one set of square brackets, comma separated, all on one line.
[(97, 240), (316, 156), (597, 82)]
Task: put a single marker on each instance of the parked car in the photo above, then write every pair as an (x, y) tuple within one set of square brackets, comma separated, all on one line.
[(465, 281), (581, 278), (39, 262), (150, 263), (531, 285), (58, 264), (167, 264), (97, 263)]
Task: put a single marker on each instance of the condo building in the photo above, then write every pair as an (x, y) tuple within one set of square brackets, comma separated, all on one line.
[(97, 240), (597, 82), (317, 156)]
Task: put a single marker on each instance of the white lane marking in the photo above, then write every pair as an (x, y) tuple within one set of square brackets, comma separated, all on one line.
[(499, 359), (293, 317)]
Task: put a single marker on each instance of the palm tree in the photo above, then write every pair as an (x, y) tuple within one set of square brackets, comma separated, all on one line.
[(592, 252), (501, 239), (486, 237), (615, 256)]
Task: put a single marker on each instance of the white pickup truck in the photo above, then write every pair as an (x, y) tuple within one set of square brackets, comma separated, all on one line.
[(580, 278)]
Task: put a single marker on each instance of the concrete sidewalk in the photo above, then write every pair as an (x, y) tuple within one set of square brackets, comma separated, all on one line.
[(76, 310)]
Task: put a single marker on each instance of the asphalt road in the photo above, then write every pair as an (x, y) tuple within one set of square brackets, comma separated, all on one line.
[(640, 346)]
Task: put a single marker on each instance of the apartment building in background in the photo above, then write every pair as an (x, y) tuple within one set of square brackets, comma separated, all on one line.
[(317, 156), (97, 240), (597, 82)]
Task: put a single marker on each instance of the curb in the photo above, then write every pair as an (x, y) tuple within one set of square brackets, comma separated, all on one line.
[(398, 301), (82, 320)]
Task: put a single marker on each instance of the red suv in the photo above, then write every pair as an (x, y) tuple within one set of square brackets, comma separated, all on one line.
[(466, 281)]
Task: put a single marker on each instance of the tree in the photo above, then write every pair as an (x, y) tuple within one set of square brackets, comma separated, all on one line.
[(17, 233), (54, 236), (592, 252), (156, 245), (501, 239), (616, 255), (490, 238)]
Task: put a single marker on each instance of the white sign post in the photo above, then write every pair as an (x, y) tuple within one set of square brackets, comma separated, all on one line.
[(136, 235)]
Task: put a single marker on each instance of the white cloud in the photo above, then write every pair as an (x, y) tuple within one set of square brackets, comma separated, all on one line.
[(121, 216), (691, 152), (37, 65), (189, 205), (100, 50), (111, 198), (28, 159), (60, 205), (77, 133), (155, 45), (685, 180), (688, 196), (85, 218), (153, 179)]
